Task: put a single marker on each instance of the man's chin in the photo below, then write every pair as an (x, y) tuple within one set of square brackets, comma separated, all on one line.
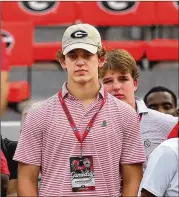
[(82, 81)]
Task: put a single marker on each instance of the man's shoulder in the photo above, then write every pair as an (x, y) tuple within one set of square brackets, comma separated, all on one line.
[(162, 118), (172, 143), (166, 151), (120, 105), (43, 106), (40, 113)]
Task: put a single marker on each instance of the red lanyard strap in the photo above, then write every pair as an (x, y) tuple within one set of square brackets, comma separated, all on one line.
[(140, 117), (71, 121)]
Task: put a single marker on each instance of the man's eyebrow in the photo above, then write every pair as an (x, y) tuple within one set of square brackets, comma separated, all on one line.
[(105, 79), (123, 76), (164, 103), (152, 105)]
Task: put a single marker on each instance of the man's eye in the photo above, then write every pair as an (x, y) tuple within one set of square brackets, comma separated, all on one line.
[(152, 107), (167, 107), (109, 81), (88, 55), (123, 79), (71, 55)]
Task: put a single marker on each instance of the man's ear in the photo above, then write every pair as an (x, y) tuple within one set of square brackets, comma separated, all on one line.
[(136, 83), (62, 62), (101, 60)]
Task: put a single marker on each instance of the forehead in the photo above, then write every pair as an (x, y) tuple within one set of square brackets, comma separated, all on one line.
[(116, 73), (159, 97)]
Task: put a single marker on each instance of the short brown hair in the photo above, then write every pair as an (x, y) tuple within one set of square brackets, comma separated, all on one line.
[(120, 61)]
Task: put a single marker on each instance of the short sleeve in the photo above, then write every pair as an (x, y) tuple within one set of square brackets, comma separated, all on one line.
[(157, 176), (132, 146), (29, 148), (4, 166), (4, 58)]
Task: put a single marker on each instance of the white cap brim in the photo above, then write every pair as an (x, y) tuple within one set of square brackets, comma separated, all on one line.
[(91, 48)]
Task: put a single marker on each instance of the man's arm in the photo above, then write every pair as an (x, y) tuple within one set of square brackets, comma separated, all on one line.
[(4, 89), (12, 188), (29, 151), (132, 155), (4, 174), (4, 67), (13, 166), (27, 180), (132, 176), (4, 184)]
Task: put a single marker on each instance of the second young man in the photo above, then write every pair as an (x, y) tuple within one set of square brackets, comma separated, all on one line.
[(120, 76)]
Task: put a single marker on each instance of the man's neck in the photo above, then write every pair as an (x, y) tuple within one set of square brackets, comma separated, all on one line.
[(87, 93), (134, 105)]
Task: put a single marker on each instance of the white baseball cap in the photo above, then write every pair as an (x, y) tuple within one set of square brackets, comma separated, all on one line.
[(81, 36)]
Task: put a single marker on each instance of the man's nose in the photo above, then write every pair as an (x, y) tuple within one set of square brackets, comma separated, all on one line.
[(80, 62), (116, 86), (161, 109)]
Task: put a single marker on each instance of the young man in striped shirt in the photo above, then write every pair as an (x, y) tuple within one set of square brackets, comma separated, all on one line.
[(82, 139), (120, 76)]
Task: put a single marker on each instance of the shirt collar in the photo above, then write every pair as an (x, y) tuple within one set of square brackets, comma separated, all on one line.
[(65, 92), (141, 107)]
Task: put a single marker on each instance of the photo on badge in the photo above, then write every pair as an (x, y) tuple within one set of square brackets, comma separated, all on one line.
[(82, 173)]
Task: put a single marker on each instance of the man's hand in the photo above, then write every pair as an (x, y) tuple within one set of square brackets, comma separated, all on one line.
[(4, 90), (4, 184)]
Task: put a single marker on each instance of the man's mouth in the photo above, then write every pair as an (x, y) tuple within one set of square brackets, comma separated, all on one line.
[(119, 96), (80, 71)]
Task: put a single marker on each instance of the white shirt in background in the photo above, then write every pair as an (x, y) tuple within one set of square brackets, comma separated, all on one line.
[(161, 175)]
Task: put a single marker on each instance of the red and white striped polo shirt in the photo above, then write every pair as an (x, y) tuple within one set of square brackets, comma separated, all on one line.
[(47, 140)]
